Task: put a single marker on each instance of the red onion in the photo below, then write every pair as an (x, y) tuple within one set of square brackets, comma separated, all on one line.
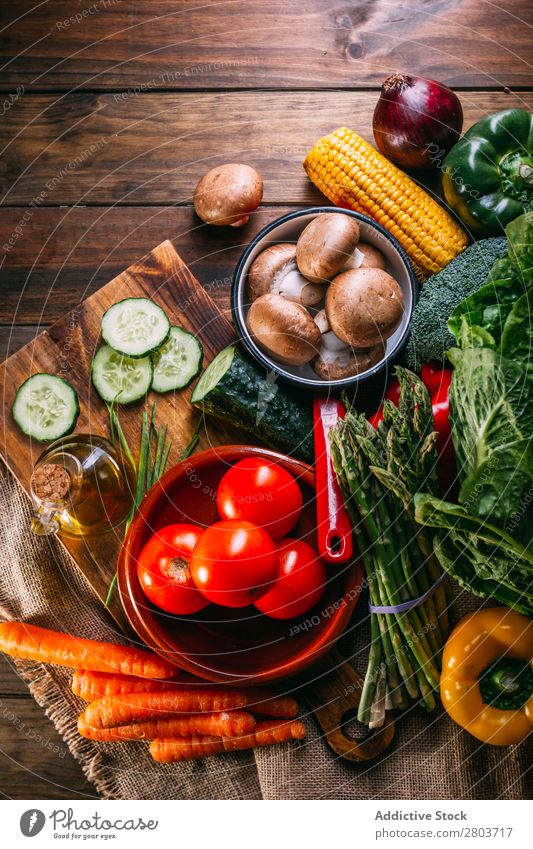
[(416, 121)]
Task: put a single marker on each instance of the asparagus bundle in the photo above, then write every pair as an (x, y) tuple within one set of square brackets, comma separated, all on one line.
[(379, 471)]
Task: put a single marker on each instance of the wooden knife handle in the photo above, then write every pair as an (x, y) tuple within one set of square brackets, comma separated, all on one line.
[(333, 695)]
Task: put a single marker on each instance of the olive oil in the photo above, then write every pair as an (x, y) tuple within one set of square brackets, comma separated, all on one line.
[(82, 485)]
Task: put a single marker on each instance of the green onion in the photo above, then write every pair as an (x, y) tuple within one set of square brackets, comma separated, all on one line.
[(154, 450)]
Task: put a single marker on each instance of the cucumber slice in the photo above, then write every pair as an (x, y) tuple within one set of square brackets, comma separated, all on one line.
[(46, 407), (118, 378), (213, 374), (177, 362), (135, 327), (233, 389)]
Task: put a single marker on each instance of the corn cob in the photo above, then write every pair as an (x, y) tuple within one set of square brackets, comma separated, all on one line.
[(352, 174)]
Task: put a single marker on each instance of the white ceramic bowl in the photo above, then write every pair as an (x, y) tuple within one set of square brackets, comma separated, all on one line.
[(287, 229)]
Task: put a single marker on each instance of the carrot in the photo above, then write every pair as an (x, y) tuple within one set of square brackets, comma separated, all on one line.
[(93, 685), (191, 748), (29, 642), (113, 711), (109, 712), (223, 724), (267, 704)]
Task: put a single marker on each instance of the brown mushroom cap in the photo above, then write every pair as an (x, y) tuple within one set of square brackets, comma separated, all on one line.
[(266, 266), (364, 306), (366, 256), (344, 362), (325, 245), (275, 270), (227, 194), (284, 330)]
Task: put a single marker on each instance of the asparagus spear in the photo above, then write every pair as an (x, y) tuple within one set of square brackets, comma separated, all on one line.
[(379, 470)]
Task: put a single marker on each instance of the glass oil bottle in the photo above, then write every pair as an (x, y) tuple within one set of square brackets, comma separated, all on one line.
[(82, 485)]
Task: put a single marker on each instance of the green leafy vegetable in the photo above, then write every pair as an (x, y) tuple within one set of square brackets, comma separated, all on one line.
[(510, 278), (517, 336), (489, 405), (500, 484), (520, 235), (483, 542), (487, 308), (485, 559), (502, 271)]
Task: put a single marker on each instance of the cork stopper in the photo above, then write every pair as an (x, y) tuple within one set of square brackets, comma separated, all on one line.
[(50, 482)]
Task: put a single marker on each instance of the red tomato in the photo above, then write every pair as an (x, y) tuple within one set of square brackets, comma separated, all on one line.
[(164, 571), (300, 584), (234, 563), (261, 492)]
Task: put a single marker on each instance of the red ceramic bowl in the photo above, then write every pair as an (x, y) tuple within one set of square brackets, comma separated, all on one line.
[(224, 644)]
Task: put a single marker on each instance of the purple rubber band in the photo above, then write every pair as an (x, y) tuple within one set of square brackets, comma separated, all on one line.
[(408, 605)]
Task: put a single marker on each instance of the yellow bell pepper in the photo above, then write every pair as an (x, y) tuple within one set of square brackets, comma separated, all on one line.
[(486, 684)]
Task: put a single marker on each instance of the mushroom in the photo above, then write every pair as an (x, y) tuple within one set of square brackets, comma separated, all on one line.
[(325, 245), (284, 330), (364, 306), (366, 256), (227, 194), (321, 321), (275, 270), (336, 360)]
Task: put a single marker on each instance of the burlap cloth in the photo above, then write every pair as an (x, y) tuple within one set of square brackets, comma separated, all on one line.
[(431, 758)]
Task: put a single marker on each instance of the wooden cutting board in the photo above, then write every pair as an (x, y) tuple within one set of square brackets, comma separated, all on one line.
[(67, 349)]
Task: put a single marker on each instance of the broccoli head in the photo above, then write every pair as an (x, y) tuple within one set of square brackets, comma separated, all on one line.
[(430, 337)]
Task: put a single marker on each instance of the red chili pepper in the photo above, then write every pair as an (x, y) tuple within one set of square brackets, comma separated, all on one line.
[(393, 391), (377, 417), (437, 381), (440, 403), (432, 375)]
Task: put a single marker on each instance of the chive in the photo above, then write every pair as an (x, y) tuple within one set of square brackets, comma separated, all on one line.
[(160, 442), (154, 451), (117, 434)]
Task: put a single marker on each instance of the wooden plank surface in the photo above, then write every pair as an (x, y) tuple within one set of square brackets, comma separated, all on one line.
[(11, 684), (236, 43), (35, 763), (12, 338), (90, 149), (64, 255), (67, 349)]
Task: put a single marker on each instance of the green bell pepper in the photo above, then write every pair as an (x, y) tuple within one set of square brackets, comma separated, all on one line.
[(487, 177)]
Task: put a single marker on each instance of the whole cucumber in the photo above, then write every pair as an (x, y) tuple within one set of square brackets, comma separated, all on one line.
[(233, 389)]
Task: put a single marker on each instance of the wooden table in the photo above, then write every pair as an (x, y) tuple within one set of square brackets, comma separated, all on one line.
[(113, 109)]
